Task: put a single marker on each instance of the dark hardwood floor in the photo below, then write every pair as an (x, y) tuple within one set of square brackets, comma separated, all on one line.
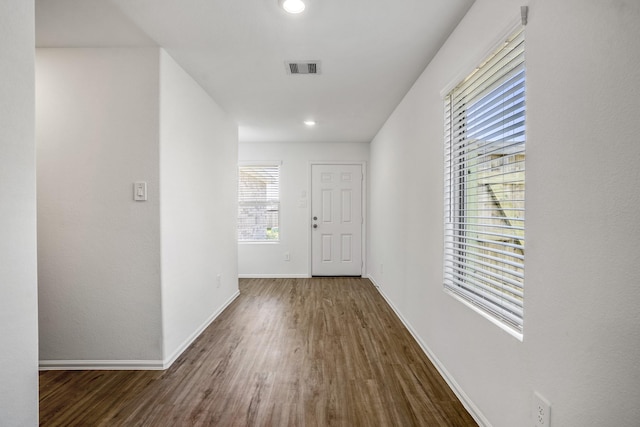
[(286, 352)]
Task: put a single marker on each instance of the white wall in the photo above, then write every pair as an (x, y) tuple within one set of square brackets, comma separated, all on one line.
[(267, 259), (198, 158), (581, 346), (18, 282), (126, 283), (99, 250)]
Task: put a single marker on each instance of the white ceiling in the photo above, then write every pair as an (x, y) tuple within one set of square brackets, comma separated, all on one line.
[(371, 52)]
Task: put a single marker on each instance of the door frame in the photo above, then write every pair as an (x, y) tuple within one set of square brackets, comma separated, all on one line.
[(363, 165)]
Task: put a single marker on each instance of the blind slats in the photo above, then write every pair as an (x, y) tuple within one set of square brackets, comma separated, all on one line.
[(493, 305), (498, 65), (496, 289), (475, 148), (484, 185), (488, 275), (496, 236), (471, 226), (483, 252)]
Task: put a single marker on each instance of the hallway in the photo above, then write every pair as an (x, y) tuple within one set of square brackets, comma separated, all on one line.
[(286, 352)]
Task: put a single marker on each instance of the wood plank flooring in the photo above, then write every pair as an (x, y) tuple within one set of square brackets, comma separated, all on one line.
[(286, 352)]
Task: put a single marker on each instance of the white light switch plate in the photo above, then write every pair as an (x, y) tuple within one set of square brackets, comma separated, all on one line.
[(140, 191)]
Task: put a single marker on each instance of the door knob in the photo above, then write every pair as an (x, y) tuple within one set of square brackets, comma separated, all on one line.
[(315, 225), (315, 218)]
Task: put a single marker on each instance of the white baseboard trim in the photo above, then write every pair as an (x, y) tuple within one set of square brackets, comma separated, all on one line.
[(100, 365), (473, 410), (178, 351), (129, 365), (273, 276), (377, 285)]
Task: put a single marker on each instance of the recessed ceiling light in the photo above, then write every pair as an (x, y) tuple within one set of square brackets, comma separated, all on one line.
[(293, 6), (310, 122)]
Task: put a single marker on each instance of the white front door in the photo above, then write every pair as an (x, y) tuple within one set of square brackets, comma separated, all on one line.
[(336, 220)]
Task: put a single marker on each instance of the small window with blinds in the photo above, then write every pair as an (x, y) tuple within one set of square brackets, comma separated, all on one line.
[(258, 203), (485, 186)]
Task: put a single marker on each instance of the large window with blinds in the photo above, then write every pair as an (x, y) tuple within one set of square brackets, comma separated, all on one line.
[(485, 186), (258, 203)]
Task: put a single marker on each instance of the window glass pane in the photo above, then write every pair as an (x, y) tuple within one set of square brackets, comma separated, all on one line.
[(258, 203), (485, 185)]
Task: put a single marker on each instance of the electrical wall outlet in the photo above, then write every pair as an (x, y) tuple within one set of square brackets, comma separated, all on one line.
[(541, 411)]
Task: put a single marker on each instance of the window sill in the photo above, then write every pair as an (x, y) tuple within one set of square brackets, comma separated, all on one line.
[(516, 334)]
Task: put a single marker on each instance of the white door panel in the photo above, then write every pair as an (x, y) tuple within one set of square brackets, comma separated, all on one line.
[(336, 209)]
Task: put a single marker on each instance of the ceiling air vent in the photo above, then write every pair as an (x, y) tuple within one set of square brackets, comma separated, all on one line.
[(303, 67)]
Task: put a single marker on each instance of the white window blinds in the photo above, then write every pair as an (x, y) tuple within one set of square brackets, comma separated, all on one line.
[(258, 203), (485, 185)]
